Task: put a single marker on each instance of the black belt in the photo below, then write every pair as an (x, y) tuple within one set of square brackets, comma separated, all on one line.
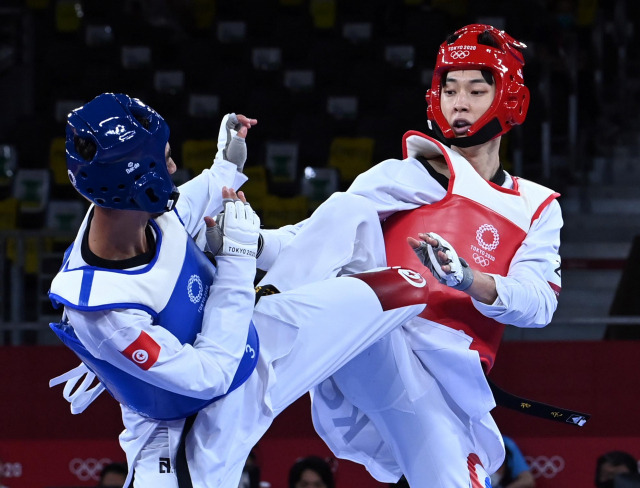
[(265, 290), (537, 409), (182, 468)]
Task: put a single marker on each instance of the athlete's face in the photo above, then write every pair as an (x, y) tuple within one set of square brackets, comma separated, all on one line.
[(113, 479), (171, 165), (310, 479), (465, 97)]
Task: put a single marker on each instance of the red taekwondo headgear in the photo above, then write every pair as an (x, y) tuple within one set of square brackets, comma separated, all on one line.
[(463, 51)]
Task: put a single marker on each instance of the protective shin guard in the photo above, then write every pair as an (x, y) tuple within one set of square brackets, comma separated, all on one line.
[(396, 287)]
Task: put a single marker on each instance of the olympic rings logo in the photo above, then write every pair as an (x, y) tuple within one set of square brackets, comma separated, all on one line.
[(480, 237), (195, 298), (547, 467), (10, 470), (481, 260), (88, 469), (459, 54)]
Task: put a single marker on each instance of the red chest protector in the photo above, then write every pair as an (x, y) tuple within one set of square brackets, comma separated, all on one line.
[(485, 239), (485, 223)]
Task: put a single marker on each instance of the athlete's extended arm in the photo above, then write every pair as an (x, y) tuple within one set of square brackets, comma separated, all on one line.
[(528, 295), (200, 196)]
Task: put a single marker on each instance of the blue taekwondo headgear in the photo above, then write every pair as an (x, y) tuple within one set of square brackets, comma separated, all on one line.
[(128, 170)]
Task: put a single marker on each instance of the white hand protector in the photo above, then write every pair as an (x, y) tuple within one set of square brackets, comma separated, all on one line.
[(460, 277), (236, 232), (231, 147)]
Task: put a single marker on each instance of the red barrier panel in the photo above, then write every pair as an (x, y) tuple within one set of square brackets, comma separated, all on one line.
[(593, 377), (56, 463), (43, 445), (556, 462), (31, 410), (567, 462)]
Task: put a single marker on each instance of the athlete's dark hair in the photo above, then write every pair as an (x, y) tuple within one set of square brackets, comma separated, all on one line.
[(616, 458), (314, 463), (117, 468)]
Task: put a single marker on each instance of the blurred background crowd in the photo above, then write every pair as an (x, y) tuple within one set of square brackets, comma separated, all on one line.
[(334, 85)]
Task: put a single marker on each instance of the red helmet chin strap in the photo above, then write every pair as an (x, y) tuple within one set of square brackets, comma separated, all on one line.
[(504, 60)]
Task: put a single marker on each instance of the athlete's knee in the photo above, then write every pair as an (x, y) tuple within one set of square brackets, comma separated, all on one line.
[(396, 287), (384, 387)]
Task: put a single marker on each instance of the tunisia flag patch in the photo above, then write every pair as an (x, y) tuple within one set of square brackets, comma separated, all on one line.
[(144, 351)]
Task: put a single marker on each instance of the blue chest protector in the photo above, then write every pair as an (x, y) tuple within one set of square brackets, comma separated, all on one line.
[(181, 314)]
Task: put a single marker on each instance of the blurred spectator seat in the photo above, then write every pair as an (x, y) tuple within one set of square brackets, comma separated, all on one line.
[(32, 188), (203, 105), (68, 15), (25, 252), (323, 13), (279, 211), (400, 56), (357, 32), (37, 4), (8, 164), (135, 57), (58, 161), (266, 58), (256, 188), (342, 107), (198, 154), (282, 161), (98, 35), (318, 184), (299, 80), (8, 213), (230, 31), (169, 82), (351, 156), (65, 215), (203, 13)]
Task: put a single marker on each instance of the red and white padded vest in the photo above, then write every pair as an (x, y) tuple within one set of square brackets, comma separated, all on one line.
[(485, 224)]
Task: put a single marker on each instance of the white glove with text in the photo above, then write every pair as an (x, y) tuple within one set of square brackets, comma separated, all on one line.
[(236, 232)]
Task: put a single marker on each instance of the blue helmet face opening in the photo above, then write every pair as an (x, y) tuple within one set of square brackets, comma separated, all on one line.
[(115, 147)]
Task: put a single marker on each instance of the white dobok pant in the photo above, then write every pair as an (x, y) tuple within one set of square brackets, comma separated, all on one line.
[(427, 436)]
